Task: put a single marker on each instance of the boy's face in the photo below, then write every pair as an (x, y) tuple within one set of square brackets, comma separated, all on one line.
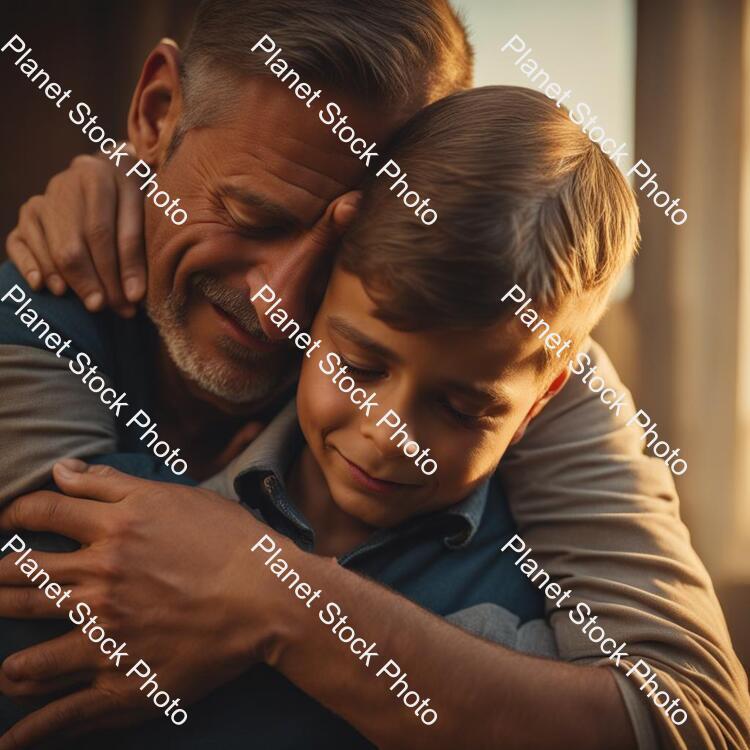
[(465, 395)]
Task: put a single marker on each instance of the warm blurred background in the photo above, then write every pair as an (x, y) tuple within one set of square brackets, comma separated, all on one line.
[(669, 77)]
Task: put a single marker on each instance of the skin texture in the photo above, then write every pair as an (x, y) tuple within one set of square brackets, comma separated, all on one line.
[(85, 232), (137, 532), (438, 396), (134, 574), (304, 178)]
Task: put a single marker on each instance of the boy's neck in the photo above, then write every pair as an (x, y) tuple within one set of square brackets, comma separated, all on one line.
[(336, 532)]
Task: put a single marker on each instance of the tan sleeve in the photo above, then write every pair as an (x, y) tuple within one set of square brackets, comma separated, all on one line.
[(603, 519), (46, 413)]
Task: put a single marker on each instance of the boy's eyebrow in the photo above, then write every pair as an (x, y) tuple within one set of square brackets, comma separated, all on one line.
[(356, 336), (493, 393), (275, 210)]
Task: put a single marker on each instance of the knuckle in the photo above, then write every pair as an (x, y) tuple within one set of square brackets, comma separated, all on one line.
[(130, 244), (21, 601), (26, 211), (124, 525), (100, 232), (50, 509), (70, 257), (35, 203), (109, 563), (104, 602), (85, 161)]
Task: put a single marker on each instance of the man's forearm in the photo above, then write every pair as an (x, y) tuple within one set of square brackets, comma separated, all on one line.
[(485, 695)]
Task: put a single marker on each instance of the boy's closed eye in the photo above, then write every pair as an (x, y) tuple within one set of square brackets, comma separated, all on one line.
[(464, 415), (362, 372)]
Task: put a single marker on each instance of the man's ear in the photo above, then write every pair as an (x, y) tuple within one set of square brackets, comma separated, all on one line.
[(157, 103), (554, 388)]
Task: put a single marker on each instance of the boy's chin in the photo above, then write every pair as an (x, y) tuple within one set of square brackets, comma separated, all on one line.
[(372, 510)]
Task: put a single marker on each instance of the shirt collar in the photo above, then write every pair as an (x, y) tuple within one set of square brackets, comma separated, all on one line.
[(258, 477)]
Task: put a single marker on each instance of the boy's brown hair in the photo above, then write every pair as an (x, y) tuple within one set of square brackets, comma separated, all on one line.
[(523, 197)]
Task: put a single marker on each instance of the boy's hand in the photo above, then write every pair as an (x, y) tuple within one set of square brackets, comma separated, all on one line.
[(85, 232)]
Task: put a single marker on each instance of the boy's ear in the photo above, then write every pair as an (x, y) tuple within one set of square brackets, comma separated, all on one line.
[(554, 388), (157, 103)]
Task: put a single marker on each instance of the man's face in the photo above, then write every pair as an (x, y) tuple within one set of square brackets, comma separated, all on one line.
[(254, 184), (462, 394)]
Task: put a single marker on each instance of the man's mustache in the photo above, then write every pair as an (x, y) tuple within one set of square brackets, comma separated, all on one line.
[(231, 301)]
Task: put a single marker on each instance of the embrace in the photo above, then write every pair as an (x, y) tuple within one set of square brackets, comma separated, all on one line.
[(339, 453)]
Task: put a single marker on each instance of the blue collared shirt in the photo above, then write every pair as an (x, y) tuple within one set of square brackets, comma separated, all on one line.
[(445, 561)]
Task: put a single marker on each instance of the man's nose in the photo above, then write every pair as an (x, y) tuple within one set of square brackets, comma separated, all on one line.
[(299, 274), (298, 278)]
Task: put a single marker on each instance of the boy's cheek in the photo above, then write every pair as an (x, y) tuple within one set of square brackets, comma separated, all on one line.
[(321, 402), (467, 460)]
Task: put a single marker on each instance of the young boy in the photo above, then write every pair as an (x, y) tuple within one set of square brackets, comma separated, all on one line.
[(424, 376), (418, 322)]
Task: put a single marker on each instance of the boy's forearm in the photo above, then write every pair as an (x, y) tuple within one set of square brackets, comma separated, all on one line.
[(485, 695)]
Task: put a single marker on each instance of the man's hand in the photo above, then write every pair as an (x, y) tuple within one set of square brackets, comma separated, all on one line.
[(166, 568), (85, 232)]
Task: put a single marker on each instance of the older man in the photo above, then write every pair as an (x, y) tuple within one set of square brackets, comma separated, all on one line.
[(268, 188)]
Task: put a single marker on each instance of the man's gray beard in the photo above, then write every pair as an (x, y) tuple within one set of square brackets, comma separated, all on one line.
[(219, 377)]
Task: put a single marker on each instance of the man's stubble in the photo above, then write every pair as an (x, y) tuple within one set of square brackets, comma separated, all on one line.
[(242, 375)]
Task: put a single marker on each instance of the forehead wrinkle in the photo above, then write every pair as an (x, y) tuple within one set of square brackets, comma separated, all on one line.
[(300, 167), (317, 198)]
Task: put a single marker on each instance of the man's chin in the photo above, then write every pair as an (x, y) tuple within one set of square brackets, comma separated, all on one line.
[(226, 373), (218, 368)]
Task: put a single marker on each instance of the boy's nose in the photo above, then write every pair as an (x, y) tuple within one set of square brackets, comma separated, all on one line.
[(380, 437)]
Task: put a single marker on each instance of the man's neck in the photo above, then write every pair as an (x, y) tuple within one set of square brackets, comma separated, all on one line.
[(201, 423)]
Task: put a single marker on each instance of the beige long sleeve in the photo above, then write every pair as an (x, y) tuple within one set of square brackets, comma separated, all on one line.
[(603, 519)]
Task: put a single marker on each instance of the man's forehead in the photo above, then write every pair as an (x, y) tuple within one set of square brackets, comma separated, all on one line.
[(274, 147)]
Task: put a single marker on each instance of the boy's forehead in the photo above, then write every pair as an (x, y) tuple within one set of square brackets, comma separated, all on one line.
[(489, 356)]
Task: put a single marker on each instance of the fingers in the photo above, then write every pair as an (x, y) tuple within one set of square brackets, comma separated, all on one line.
[(335, 220), (21, 256), (64, 219), (58, 719), (66, 655), (130, 245), (73, 236), (345, 209), (30, 603), (66, 567), (103, 483), (30, 236), (25, 689), (50, 511), (101, 217)]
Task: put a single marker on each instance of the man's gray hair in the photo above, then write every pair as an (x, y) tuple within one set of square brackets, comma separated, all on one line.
[(394, 52)]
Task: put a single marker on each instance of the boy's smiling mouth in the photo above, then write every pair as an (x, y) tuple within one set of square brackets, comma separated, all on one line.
[(370, 483)]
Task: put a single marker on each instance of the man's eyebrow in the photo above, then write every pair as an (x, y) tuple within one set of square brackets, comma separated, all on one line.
[(275, 211), (345, 329)]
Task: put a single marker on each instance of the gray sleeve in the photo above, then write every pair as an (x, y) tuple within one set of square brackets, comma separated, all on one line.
[(46, 413), (603, 519), (535, 638)]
